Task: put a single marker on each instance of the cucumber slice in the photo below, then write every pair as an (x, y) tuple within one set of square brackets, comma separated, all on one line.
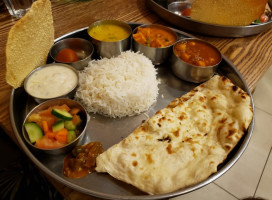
[(58, 126), (71, 136), (62, 114), (34, 131), (69, 125)]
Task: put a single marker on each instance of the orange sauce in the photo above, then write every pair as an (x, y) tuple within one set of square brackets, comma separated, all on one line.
[(197, 53), (154, 37)]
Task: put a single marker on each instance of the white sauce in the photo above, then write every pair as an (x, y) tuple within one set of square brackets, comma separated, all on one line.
[(50, 82)]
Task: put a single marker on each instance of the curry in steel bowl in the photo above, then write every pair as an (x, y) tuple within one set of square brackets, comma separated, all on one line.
[(154, 41), (110, 37), (194, 60)]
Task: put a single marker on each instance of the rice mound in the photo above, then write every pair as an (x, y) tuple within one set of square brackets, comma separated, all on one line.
[(120, 86)]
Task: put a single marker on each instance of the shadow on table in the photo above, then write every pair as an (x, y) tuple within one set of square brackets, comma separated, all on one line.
[(19, 177)]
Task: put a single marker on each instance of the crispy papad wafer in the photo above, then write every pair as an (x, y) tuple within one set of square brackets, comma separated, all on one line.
[(29, 42), (227, 12)]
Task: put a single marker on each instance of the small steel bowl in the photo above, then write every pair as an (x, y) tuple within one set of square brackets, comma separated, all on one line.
[(178, 7), (70, 93), (83, 48), (156, 55), (190, 72), (45, 105), (110, 49)]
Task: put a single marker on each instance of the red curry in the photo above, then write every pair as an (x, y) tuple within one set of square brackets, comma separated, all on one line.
[(197, 53)]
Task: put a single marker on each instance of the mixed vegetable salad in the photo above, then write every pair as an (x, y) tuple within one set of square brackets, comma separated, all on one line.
[(54, 127)]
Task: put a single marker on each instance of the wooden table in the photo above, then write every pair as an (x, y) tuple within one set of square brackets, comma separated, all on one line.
[(251, 55)]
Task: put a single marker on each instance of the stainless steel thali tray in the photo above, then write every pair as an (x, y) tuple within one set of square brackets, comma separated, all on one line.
[(160, 8), (111, 131)]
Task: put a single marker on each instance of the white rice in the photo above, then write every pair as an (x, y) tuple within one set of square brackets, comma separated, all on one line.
[(122, 86)]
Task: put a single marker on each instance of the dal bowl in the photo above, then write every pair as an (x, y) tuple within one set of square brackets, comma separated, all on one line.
[(194, 60), (154, 41), (52, 81), (76, 52), (110, 37), (34, 119)]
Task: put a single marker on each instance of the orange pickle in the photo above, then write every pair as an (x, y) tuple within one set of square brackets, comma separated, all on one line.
[(82, 160)]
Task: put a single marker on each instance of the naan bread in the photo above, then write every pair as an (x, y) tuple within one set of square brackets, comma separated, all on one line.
[(29, 42), (182, 144)]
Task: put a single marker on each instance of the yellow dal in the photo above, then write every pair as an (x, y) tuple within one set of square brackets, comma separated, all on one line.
[(109, 32)]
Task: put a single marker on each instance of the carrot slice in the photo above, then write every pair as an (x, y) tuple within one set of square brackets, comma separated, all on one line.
[(50, 119), (61, 135), (45, 126)]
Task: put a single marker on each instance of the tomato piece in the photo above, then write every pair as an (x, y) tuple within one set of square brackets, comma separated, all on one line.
[(186, 12), (264, 18), (50, 135), (35, 117), (76, 120), (67, 55), (45, 126), (47, 143), (46, 112), (74, 111)]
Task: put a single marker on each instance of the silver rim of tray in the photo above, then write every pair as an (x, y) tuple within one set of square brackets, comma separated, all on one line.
[(239, 151)]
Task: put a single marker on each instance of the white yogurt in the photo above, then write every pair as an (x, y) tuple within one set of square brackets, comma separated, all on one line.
[(52, 81)]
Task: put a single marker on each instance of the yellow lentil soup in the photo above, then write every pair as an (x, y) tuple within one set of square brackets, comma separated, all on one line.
[(109, 32)]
